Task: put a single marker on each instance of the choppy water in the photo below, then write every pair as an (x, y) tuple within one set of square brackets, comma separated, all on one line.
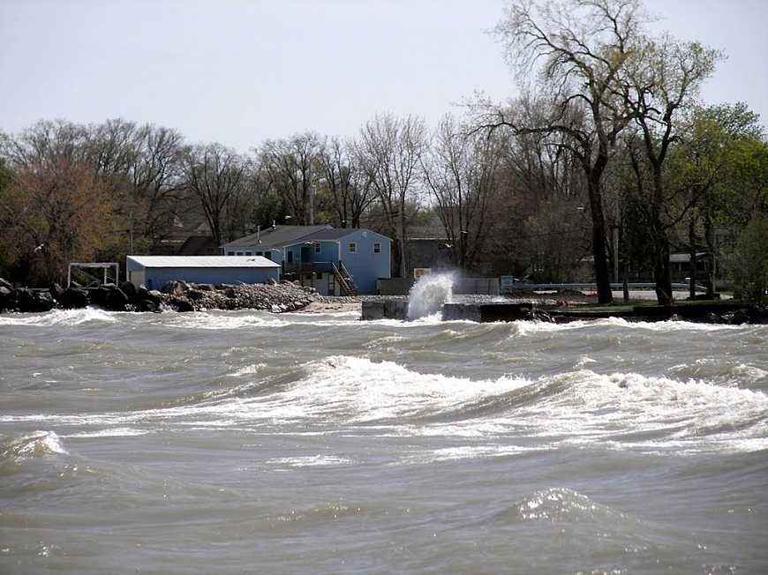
[(242, 442)]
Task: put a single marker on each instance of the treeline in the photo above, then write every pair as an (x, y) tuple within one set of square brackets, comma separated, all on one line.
[(79, 192), (661, 173), (609, 154)]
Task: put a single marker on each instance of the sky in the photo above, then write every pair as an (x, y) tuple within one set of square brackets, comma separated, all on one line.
[(240, 71)]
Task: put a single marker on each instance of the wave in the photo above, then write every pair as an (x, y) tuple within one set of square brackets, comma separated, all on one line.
[(59, 317), (532, 327), (31, 446), (562, 505), (501, 416)]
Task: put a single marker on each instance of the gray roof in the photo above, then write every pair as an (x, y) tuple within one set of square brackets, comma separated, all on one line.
[(275, 237), (203, 262), (332, 234)]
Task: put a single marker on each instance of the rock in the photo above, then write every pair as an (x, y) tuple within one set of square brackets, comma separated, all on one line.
[(176, 288), (6, 298), (143, 293), (195, 295), (129, 290), (147, 305), (740, 316), (28, 300), (74, 298), (181, 305), (110, 297), (56, 291)]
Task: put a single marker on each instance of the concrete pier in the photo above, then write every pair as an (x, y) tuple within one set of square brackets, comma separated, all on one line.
[(385, 309), (484, 312)]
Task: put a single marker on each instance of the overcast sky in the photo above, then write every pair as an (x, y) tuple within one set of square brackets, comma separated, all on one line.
[(239, 71)]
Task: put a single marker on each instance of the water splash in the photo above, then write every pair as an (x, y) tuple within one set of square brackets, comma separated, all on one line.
[(429, 293)]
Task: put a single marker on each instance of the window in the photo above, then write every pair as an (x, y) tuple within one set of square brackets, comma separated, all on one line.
[(317, 247), (239, 253), (377, 248), (230, 253), (248, 253), (290, 257), (259, 253), (352, 247)]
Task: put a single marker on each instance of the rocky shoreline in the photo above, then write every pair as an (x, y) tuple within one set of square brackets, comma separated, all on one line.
[(175, 296)]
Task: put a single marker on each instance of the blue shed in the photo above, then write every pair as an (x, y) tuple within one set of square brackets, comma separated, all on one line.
[(155, 271)]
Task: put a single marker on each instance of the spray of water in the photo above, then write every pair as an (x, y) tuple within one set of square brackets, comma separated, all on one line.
[(429, 293)]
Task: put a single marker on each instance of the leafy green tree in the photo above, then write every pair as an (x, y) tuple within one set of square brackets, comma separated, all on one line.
[(749, 261)]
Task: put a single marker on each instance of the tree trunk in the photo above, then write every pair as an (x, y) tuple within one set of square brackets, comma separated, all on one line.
[(599, 248), (692, 268), (660, 242), (709, 238), (661, 274), (401, 232)]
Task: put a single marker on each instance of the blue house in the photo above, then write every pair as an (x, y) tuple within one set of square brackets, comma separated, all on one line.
[(334, 261)]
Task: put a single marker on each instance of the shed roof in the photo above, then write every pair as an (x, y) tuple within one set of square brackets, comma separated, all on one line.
[(275, 237), (204, 262)]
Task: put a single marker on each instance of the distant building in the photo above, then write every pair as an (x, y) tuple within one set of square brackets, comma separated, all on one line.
[(333, 261), (154, 272), (198, 246), (427, 248)]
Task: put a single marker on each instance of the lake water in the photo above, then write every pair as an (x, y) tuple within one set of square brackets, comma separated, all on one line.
[(244, 442)]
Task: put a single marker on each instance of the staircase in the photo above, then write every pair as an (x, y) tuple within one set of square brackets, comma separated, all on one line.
[(344, 279)]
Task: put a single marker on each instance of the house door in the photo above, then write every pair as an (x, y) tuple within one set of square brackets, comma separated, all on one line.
[(331, 284), (305, 254)]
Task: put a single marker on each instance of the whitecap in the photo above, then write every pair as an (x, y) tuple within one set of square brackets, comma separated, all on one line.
[(59, 317), (32, 445)]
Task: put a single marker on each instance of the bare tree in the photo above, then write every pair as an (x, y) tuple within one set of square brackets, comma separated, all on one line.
[(216, 176), (578, 48), (142, 165), (461, 170), (348, 187), (389, 151), (291, 166)]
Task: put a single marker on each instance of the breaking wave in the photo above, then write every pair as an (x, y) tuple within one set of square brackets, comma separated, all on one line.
[(59, 317), (582, 407), (31, 446)]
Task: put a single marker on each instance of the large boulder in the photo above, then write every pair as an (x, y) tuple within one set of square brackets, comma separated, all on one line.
[(180, 304), (6, 298), (147, 305), (74, 298), (56, 290), (129, 290), (110, 297), (28, 300), (143, 293)]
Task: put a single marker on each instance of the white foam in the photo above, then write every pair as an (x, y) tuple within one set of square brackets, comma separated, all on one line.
[(35, 444), (429, 293), (532, 327), (310, 461), (248, 370), (111, 432), (59, 317), (222, 320), (618, 410), (467, 452)]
